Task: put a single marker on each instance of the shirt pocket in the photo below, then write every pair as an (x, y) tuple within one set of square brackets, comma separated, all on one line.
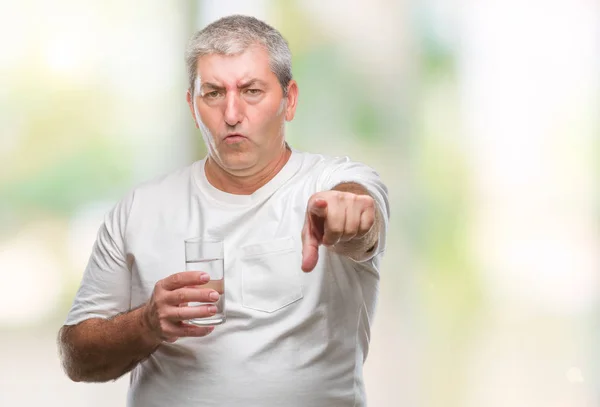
[(271, 275)]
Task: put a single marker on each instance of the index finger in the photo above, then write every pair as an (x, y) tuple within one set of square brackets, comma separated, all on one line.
[(183, 279)]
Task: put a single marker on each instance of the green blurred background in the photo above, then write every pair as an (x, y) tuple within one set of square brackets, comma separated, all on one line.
[(481, 117)]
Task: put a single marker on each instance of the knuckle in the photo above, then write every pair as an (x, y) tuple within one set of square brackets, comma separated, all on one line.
[(189, 330), (199, 295), (208, 310), (336, 229), (314, 197), (164, 330), (333, 224), (160, 299), (162, 315), (370, 218), (159, 288), (365, 200)]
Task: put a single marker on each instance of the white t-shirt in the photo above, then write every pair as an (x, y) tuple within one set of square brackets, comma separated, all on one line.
[(291, 338)]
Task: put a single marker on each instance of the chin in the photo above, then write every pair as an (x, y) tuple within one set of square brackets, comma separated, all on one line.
[(237, 162)]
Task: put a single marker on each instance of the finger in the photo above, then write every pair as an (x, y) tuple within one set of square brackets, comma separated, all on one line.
[(189, 330), (310, 249), (367, 220), (185, 278), (318, 208), (171, 330), (334, 224), (191, 294), (177, 314), (352, 226)]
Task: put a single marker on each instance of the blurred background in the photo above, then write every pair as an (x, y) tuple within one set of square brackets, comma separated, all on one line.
[(481, 116)]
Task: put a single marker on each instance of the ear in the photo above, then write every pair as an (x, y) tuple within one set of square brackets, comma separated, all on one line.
[(292, 100), (190, 102)]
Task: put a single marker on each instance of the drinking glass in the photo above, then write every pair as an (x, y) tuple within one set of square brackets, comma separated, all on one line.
[(207, 256)]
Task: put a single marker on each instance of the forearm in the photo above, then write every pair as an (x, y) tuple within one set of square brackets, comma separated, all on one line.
[(360, 248), (99, 350)]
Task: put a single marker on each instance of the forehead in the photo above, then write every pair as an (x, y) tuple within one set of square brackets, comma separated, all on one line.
[(231, 69)]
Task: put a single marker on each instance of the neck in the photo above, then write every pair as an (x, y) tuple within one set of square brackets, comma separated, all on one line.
[(246, 184)]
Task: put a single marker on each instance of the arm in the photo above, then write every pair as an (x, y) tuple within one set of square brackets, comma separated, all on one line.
[(99, 350), (103, 338)]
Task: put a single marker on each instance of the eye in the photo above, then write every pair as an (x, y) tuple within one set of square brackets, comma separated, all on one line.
[(212, 95), (253, 92)]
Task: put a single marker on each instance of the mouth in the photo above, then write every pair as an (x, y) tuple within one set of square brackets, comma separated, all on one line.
[(234, 138)]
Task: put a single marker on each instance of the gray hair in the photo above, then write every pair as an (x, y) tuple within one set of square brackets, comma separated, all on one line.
[(234, 34)]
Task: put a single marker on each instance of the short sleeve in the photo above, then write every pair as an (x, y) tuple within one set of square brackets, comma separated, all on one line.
[(105, 288), (342, 170)]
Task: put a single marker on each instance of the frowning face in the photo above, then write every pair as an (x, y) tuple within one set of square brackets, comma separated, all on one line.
[(239, 106)]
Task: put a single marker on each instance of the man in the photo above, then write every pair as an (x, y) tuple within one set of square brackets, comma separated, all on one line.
[(298, 310)]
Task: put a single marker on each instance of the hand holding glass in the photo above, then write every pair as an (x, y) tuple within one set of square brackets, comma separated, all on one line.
[(207, 256)]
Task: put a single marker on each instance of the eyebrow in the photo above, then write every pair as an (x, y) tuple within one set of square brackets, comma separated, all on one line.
[(244, 85), (211, 86), (252, 82)]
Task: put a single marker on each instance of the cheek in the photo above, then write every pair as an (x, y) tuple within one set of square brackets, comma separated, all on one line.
[(209, 116), (265, 116)]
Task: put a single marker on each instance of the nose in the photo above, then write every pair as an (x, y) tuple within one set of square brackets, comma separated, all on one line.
[(233, 109)]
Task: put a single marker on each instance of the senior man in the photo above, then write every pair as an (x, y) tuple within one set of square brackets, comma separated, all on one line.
[(298, 319)]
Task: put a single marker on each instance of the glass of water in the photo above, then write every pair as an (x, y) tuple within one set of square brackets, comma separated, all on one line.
[(207, 256)]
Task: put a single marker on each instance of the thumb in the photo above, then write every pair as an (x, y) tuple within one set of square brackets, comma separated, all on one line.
[(310, 249)]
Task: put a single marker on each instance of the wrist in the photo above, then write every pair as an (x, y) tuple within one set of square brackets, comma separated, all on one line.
[(359, 248), (148, 334)]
